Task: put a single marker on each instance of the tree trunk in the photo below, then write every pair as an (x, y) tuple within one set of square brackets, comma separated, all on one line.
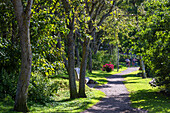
[(64, 56), (24, 78), (77, 51), (91, 48), (117, 58), (97, 47), (111, 49), (71, 64), (77, 56), (142, 65), (23, 19), (90, 60), (83, 68)]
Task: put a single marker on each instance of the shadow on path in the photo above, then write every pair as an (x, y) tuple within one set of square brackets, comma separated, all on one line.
[(117, 98)]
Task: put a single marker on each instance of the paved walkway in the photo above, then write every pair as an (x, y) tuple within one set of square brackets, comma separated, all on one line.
[(117, 98)]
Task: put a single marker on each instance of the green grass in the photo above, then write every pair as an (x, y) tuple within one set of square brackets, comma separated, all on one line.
[(63, 104), (144, 96), (99, 76), (60, 102)]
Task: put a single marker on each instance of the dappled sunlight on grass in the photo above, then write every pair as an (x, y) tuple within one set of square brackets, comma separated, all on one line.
[(144, 96), (150, 100), (100, 76), (60, 102), (70, 105)]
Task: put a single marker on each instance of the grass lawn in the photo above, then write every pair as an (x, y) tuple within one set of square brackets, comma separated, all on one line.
[(60, 102), (144, 96), (100, 75)]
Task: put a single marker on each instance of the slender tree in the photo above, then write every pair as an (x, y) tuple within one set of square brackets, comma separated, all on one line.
[(23, 16), (70, 19), (93, 9)]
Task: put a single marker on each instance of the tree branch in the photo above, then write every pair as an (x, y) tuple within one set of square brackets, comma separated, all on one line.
[(28, 8), (92, 9), (87, 7), (107, 14), (66, 5), (101, 3), (18, 8)]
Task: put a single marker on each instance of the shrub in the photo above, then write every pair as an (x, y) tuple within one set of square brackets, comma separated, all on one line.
[(102, 57), (41, 88), (8, 83), (97, 60)]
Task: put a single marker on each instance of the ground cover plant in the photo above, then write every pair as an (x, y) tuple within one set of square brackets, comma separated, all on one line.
[(144, 96)]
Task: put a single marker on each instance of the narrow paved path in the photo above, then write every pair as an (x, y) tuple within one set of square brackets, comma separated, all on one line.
[(117, 98)]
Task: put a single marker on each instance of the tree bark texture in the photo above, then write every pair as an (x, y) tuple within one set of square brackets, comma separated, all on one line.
[(142, 65), (71, 64), (23, 19), (83, 68)]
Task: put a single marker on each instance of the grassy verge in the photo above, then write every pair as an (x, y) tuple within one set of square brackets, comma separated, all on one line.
[(100, 75), (60, 101), (144, 96)]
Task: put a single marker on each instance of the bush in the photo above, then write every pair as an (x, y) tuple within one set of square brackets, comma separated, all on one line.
[(108, 67), (8, 83), (97, 60), (102, 57), (41, 88)]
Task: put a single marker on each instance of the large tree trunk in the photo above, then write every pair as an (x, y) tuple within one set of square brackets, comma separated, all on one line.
[(83, 69), (23, 19), (142, 65), (24, 78), (71, 64)]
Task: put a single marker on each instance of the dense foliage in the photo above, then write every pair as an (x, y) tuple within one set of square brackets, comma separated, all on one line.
[(103, 57), (138, 27), (147, 34), (155, 37)]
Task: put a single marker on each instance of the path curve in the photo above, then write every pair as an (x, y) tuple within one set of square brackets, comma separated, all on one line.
[(117, 98)]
